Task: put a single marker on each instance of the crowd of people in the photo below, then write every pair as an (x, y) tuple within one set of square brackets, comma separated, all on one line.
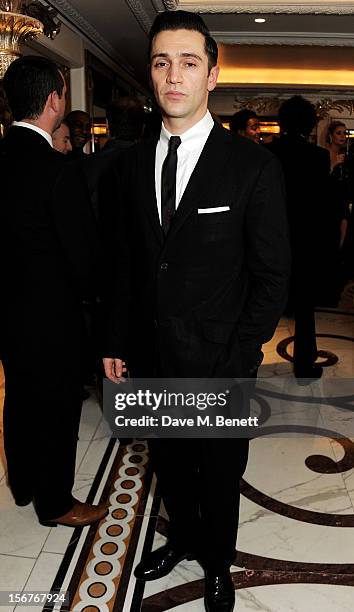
[(177, 238)]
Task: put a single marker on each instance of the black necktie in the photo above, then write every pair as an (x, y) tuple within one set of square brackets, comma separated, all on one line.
[(168, 184)]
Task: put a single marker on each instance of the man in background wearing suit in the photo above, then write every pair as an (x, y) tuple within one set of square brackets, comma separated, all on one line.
[(48, 255), (202, 272), (125, 118), (306, 168)]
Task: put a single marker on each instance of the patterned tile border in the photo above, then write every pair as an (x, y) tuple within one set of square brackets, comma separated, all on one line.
[(102, 584)]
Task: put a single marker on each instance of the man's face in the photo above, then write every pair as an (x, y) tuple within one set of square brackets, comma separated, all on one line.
[(80, 130), (180, 75), (252, 129), (61, 139)]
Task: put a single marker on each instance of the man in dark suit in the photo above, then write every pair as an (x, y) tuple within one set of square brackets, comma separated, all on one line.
[(202, 271), (125, 118), (306, 168), (48, 251)]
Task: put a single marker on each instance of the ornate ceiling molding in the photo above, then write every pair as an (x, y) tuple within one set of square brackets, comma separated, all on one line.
[(82, 24), (171, 5), (140, 14), (76, 19), (311, 8), (158, 5), (270, 104), (324, 107), (285, 38)]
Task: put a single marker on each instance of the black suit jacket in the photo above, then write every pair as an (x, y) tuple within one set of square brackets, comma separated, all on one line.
[(306, 168), (95, 165), (48, 251), (202, 301)]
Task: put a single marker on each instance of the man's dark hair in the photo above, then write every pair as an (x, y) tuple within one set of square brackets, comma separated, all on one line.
[(184, 20), (239, 120), (28, 82), (125, 118), (76, 115), (297, 116)]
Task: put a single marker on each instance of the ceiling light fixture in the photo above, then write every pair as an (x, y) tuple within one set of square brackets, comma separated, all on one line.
[(20, 21), (260, 20)]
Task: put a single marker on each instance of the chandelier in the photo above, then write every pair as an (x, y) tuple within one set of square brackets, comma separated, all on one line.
[(22, 20)]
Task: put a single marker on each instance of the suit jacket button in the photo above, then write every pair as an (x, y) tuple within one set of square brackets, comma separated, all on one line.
[(164, 266)]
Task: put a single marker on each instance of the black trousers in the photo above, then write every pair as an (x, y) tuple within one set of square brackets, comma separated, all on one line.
[(305, 346), (41, 422), (199, 483)]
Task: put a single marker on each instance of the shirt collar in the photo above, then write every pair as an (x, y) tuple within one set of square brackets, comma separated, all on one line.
[(193, 137), (35, 128)]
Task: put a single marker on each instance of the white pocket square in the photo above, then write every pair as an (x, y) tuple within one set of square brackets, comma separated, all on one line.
[(216, 209)]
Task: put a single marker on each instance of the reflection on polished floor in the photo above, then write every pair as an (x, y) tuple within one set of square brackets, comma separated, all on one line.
[(296, 534)]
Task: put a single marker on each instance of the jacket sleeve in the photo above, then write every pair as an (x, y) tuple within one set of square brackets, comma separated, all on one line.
[(113, 206), (76, 229), (268, 261)]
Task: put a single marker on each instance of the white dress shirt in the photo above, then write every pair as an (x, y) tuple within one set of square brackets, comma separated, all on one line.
[(39, 130), (188, 153)]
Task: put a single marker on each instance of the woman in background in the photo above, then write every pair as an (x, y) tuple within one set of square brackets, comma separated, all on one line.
[(341, 184)]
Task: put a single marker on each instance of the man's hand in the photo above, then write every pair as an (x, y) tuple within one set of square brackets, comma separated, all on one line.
[(114, 368)]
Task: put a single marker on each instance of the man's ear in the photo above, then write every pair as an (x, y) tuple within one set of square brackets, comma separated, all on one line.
[(53, 100), (213, 77)]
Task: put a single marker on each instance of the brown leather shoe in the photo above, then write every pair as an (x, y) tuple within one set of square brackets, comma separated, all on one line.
[(80, 515)]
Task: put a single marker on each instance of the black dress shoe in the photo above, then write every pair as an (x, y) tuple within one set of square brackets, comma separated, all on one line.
[(160, 562), (305, 376), (219, 592)]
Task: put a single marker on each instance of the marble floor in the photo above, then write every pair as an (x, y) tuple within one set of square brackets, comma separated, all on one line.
[(295, 548)]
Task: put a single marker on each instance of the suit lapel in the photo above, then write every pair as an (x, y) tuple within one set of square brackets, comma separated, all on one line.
[(148, 193), (204, 180)]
